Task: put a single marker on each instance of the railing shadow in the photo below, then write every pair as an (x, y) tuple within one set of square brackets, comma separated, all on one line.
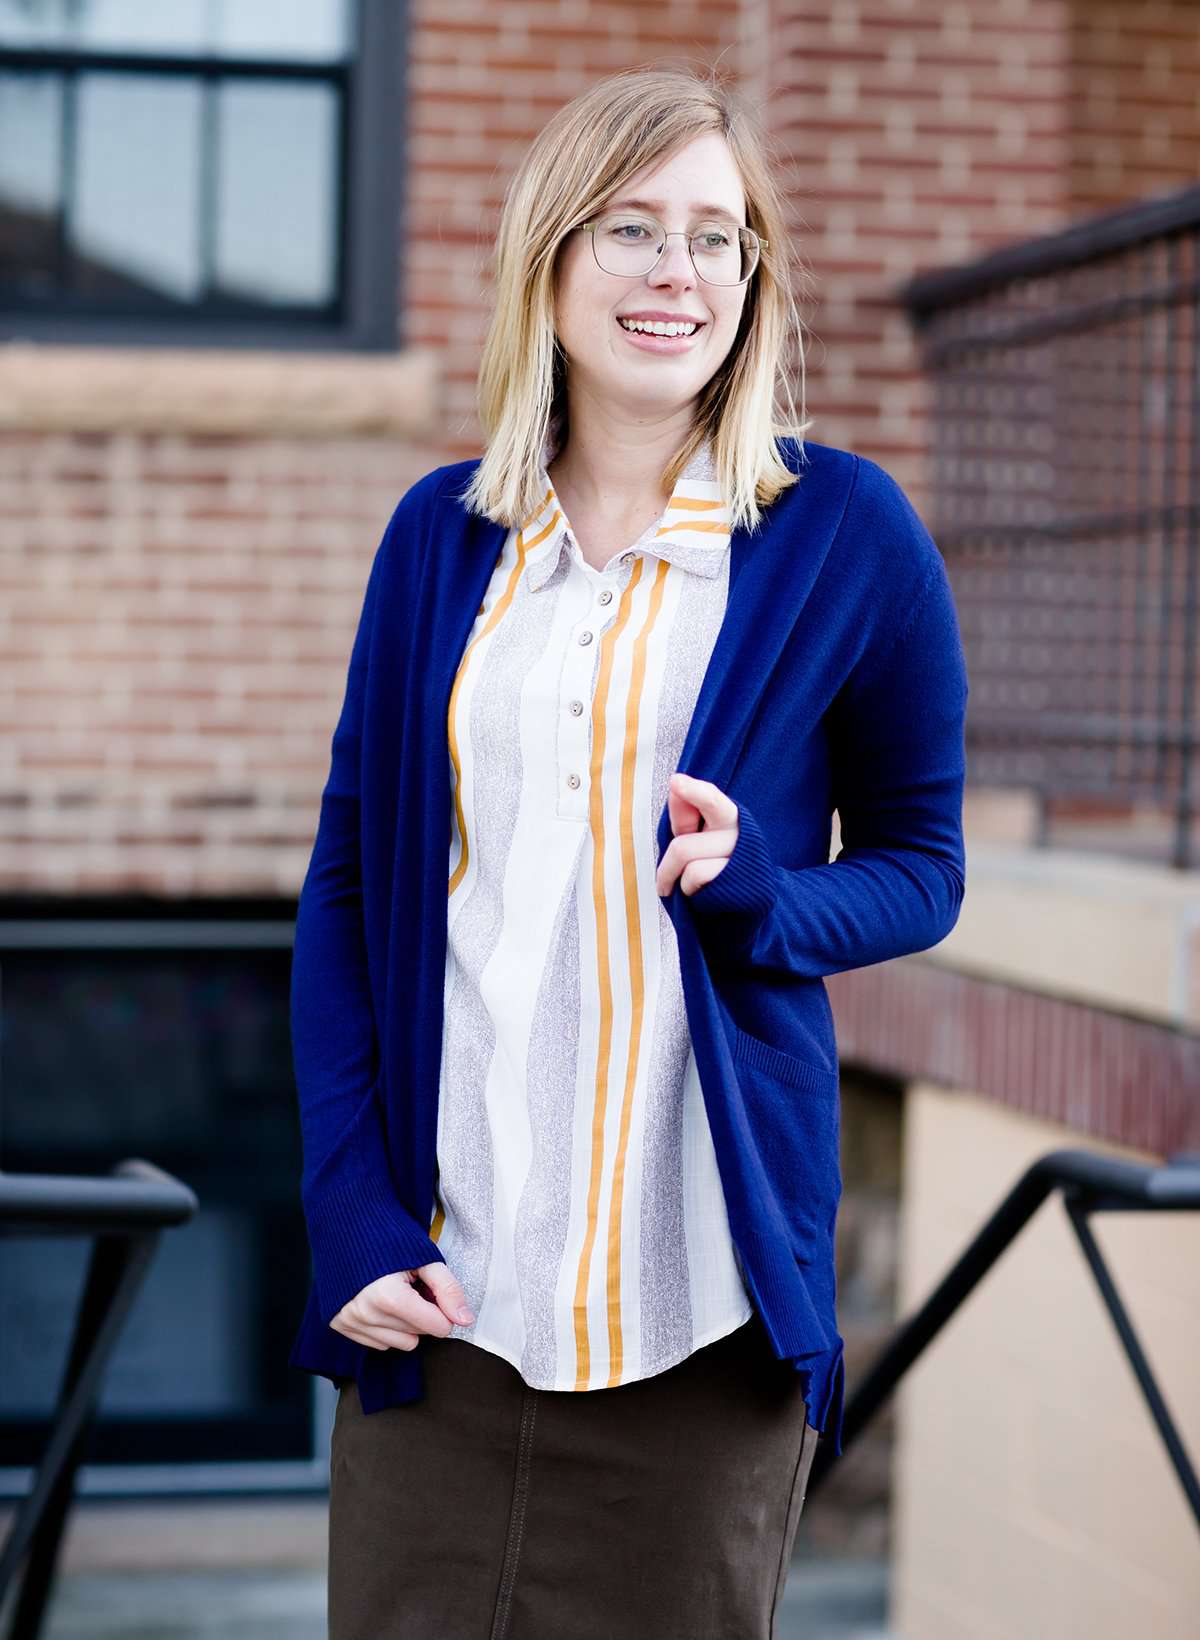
[(125, 1213), (1090, 1184)]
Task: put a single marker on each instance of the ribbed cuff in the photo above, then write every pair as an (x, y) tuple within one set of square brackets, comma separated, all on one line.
[(747, 883), (357, 1232)]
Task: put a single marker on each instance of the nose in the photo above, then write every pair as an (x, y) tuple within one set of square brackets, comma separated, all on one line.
[(674, 266)]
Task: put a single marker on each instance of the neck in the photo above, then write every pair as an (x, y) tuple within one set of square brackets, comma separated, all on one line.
[(614, 462)]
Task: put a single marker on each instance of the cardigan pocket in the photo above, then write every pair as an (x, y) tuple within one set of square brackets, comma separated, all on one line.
[(794, 1113)]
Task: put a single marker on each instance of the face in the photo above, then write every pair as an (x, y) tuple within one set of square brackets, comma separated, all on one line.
[(632, 373)]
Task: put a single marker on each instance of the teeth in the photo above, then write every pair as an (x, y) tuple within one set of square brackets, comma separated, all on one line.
[(658, 327)]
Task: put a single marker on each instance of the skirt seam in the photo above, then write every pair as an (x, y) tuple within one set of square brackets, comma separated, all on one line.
[(516, 1521)]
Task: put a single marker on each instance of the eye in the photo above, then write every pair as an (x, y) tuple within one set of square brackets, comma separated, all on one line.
[(713, 239), (627, 231)]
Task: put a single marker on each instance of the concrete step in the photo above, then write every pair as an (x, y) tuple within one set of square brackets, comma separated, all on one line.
[(823, 1600)]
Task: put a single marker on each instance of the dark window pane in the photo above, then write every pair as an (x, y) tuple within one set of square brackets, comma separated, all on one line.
[(295, 30), (277, 179), (182, 1057), (135, 223), (30, 125)]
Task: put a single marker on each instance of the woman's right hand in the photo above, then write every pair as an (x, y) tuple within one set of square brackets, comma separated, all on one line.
[(390, 1313)]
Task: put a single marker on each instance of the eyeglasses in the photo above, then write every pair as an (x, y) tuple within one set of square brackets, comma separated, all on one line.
[(630, 246)]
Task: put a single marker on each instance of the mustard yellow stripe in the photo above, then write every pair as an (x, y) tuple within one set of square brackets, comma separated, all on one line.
[(637, 978), (604, 1045), (501, 605), (694, 526), (690, 503), (546, 500), (544, 532), (439, 1212)]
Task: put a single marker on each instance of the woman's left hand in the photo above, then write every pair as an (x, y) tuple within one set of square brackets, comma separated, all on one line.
[(696, 855)]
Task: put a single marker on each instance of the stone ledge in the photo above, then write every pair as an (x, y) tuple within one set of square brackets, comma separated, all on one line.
[(1119, 934), (48, 388)]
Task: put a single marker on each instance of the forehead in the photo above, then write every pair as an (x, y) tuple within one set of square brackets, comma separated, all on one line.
[(700, 178)]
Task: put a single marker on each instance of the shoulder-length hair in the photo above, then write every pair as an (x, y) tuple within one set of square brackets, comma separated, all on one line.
[(580, 159)]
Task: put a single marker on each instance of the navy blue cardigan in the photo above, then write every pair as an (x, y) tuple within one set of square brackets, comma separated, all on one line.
[(837, 681)]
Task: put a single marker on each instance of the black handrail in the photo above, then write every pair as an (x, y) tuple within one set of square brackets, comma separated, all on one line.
[(126, 1213), (1126, 228), (1090, 1183)]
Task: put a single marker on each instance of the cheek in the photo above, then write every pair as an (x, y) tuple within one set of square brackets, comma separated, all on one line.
[(726, 320), (576, 329), (581, 309)]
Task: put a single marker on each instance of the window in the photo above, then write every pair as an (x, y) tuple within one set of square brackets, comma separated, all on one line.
[(161, 1032), (216, 171)]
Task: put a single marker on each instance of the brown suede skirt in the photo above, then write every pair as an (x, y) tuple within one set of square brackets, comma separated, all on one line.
[(664, 1509)]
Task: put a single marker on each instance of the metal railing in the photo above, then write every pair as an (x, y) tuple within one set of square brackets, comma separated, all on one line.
[(125, 1213), (1089, 1183), (1065, 377)]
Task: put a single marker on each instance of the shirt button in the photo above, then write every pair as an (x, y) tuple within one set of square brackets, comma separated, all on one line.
[(576, 708), (627, 557), (573, 781), (606, 597), (585, 637)]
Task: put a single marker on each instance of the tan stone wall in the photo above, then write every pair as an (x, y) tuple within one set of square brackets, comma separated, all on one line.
[(1032, 1493)]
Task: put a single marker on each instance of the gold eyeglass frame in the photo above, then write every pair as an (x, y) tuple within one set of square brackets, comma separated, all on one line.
[(677, 233)]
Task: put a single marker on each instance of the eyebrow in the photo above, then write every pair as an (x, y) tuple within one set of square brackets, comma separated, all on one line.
[(657, 205)]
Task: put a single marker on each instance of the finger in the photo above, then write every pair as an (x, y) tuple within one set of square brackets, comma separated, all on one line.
[(715, 844), (447, 1291), (395, 1338), (379, 1337), (698, 872), (404, 1305), (354, 1334), (683, 814), (716, 806)]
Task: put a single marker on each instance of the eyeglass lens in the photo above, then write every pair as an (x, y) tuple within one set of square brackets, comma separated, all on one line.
[(630, 246)]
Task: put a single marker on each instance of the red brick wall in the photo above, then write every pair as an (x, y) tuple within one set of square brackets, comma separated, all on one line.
[(175, 621), (919, 135), (1133, 101), (176, 613)]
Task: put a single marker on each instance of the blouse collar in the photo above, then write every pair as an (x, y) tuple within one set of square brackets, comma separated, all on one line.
[(692, 532)]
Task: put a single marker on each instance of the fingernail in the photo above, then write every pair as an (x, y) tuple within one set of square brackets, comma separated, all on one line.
[(465, 1316)]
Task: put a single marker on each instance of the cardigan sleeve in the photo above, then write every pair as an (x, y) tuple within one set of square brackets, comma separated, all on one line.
[(896, 885), (357, 1228)]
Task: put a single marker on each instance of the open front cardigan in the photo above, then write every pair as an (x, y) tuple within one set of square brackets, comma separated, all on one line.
[(837, 681)]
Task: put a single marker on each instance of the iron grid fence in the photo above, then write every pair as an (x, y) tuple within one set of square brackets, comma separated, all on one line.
[(1065, 377)]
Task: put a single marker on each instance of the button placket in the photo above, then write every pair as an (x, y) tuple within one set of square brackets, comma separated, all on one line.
[(576, 689)]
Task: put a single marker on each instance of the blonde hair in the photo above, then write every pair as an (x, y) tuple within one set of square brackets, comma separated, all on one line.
[(587, 151)]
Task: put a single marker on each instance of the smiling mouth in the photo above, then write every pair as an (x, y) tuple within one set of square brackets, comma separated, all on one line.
[(661, 328)]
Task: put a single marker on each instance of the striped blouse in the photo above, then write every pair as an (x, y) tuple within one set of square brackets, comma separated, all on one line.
[(578, 1199)]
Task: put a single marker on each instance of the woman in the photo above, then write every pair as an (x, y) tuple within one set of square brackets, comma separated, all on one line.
[(586, 1119)]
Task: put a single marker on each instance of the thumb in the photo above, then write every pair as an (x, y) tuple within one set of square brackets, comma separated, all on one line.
[(447, 1291)]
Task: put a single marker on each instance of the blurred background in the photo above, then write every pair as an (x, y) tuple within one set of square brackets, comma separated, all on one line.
[(244, 278)]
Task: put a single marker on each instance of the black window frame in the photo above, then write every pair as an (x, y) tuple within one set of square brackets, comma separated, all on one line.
[(369, 204)]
